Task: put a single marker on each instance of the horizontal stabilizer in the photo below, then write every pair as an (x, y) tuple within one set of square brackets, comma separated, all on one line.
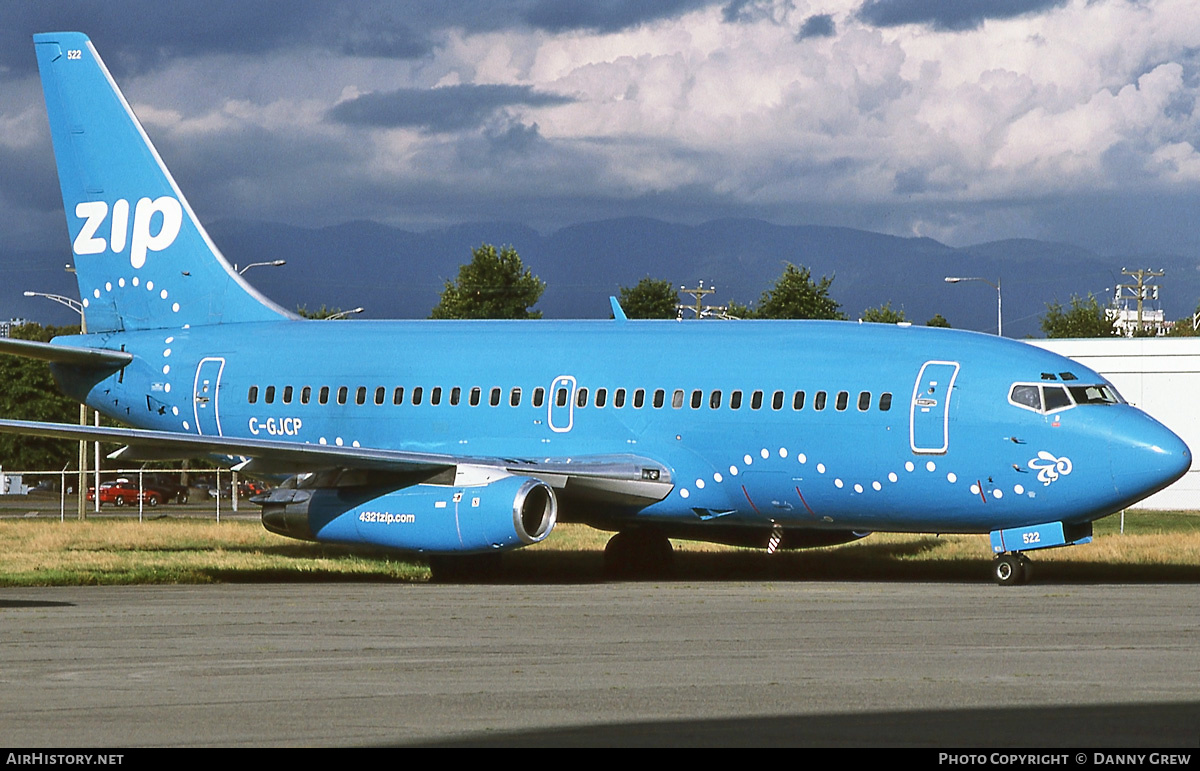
[(86, 358)]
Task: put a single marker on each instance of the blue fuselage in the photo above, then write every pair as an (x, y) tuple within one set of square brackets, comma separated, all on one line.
[(826, 425)]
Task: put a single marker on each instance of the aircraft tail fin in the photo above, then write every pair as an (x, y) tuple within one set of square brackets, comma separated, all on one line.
[(142, 259)]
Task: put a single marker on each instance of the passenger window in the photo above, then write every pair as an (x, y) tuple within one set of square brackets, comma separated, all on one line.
[(677, 398), (864, 401), (1055, 398), (287, 394), (514, 398), (659, 396), (697, 399), (455, 396), (476, 394), (885, 401), (380, 394), (714, 400), (756, 400), (539, 397), (398, 395), (323, 397), (306, 394), (1026, 396), (777, 400), (360, 395), (819, 401), (798, 401), (252, 397), (435, 396), (494, 397), (581, 395), (560, 397), (601, 396), (343, 392), (619, 398), (735, 400), (269, 398), (417, 393), (639, 398), (843, 400)]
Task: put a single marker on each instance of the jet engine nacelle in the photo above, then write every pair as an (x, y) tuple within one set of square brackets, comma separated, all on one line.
[(503, 514)]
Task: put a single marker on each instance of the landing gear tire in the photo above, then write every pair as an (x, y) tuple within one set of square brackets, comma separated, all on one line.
[(632, 554), (465, 568), (1026, 569), (1011, 569)]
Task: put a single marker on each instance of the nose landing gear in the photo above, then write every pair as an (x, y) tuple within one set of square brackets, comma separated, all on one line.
[(1012, 569)]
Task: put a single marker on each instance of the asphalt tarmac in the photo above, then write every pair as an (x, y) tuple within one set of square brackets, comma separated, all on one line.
[(602, 664)]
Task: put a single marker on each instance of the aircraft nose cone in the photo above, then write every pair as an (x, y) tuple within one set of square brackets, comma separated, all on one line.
[(1147, 457)]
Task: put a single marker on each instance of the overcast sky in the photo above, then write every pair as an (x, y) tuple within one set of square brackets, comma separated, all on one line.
[(962, 120)]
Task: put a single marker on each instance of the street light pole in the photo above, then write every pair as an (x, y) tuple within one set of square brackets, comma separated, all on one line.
[(270, 263), (81, 496), (999, 297)]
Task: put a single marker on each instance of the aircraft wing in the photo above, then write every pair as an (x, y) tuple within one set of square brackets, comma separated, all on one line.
[(619, 479)]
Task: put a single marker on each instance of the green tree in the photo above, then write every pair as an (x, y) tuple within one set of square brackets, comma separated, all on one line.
[(884, 314), (796, 296), (1085, 318), (652, 298), (30, 393), (938, 320), (737, 310), (493, 285), (1183, 327), (322, 313)]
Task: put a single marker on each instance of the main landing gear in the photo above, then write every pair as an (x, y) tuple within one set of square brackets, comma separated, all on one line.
[(640, 553), (1011, 569)]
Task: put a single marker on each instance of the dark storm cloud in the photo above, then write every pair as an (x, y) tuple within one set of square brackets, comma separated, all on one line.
[(449, 108), (604, 15), (816, 26), (138, 35), (953, 15)]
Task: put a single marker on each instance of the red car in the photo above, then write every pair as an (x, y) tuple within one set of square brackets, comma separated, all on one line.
[(122, 491)]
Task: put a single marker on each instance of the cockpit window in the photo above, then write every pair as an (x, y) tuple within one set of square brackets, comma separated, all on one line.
[(1051, 397), (1095, 394), (1026, 396), (1055, 398)]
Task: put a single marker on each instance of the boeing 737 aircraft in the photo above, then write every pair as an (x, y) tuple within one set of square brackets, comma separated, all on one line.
[(455, 438)]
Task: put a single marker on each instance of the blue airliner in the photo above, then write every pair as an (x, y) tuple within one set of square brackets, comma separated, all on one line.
[(456, 438)]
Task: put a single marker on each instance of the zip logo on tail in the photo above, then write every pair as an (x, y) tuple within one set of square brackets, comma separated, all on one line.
[(124, 211), (142, 240)]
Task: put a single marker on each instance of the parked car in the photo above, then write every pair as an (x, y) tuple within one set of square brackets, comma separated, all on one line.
[(120, 492), (247, 488), (169, 485)]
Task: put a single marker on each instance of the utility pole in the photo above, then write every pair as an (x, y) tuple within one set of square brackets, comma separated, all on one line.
[(700, 309), (1140, 288)]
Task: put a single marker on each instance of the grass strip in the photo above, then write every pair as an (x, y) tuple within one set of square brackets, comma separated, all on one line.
[(1155, 546)]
